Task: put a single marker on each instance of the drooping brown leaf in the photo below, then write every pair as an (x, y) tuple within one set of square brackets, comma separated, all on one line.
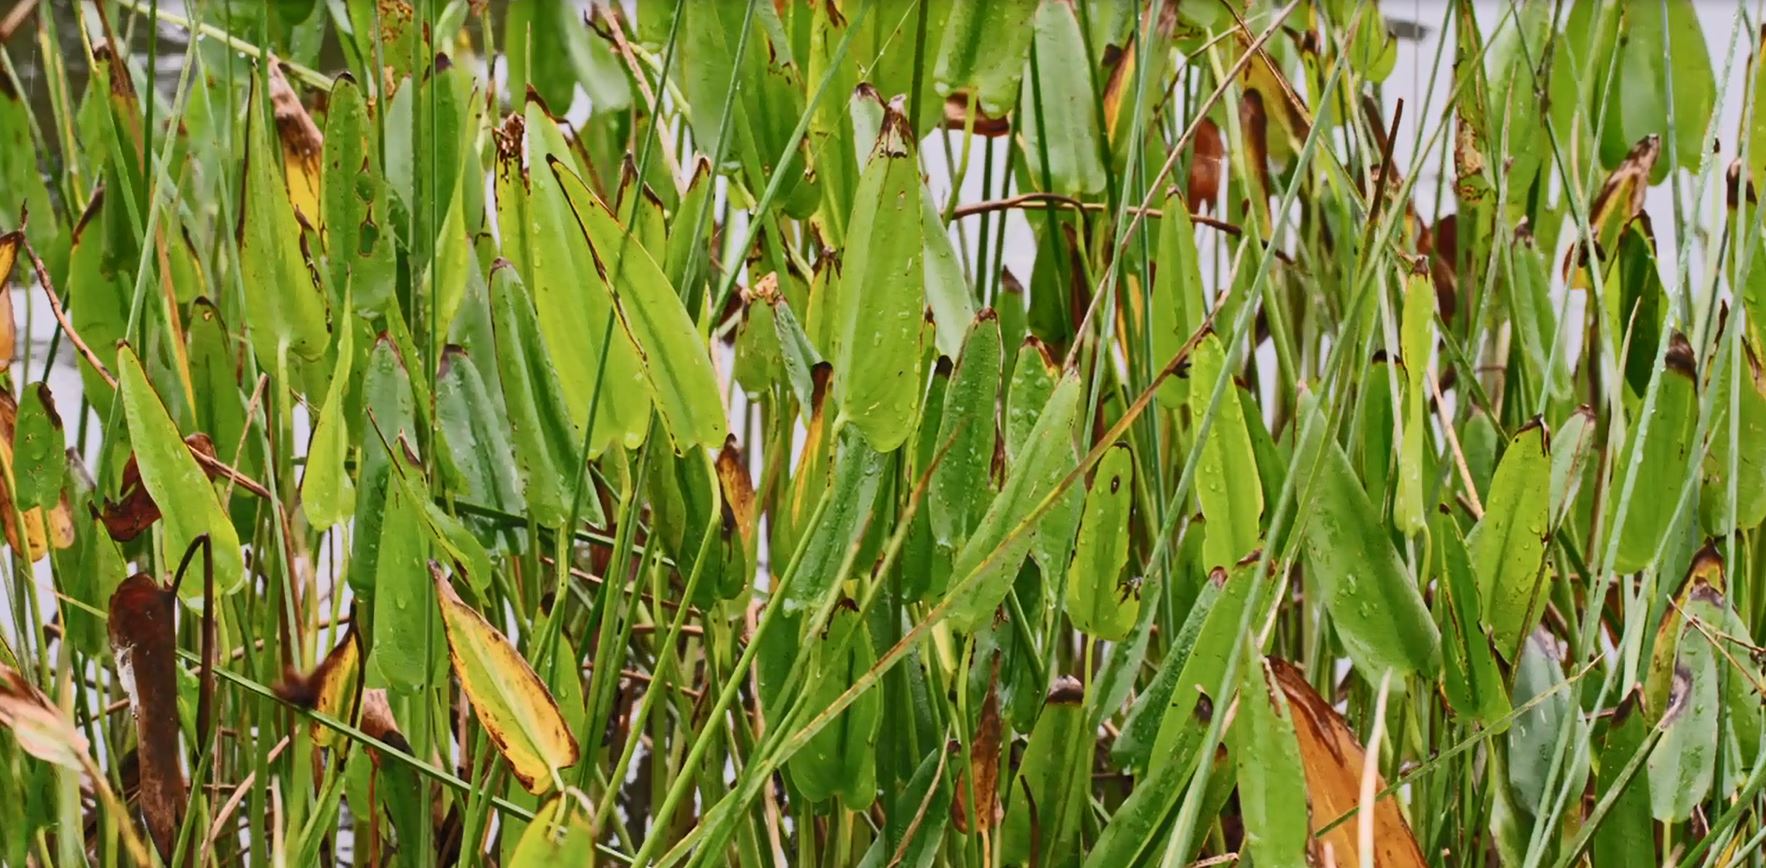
[(984, 766), (957, 108), (1207, 167), (1333, 760), (1620, 199), (738, 487), (136, 511), (302, 147), (331, 688), (143, 638)]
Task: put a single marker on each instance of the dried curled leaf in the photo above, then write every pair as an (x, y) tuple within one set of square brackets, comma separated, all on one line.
[(143, 637)]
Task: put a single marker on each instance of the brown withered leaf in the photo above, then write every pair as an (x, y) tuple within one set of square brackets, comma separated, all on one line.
[(302, 147), (1207, 167), (956, 117), (136, 511), (738, 487), (332, 687), (1620, 199), (984, 765), (1333, 760), (143, 638)]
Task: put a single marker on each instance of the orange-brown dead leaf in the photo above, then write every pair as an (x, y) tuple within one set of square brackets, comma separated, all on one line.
[(143, 638)]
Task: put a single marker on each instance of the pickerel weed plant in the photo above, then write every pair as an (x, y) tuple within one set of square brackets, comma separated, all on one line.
[(882, 432)]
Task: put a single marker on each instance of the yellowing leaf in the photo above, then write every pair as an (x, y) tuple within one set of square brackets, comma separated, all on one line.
[(517, 710)]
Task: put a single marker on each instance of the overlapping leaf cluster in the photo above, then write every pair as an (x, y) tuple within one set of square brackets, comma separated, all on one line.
[(529, 433)]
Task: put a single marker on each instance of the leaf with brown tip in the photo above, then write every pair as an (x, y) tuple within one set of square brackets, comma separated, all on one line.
[(143, 637), (517, 710), (1333, 760)]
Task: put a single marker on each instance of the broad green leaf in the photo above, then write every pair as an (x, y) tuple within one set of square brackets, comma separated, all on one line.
[(914, 824), (985, 566), (858, 471), (512, 703), (326, 492), (187, 502), (1268, 761), (1373, 601), (1134, 746), (39, 451), (538, 425), (841, 759), (881, 295), (670, 352), (358, 230), (983, 52), (1227, 483), (1058, 108), (388, 414), (1043, 808), (1098, 601), (1032, 381), (1570, 461), (1533, 737), (1507, 547), (962, 487)]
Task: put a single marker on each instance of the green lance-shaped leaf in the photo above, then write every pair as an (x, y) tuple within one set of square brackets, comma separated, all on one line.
[(388, 412), (947, 288), (326, 492), (186, 500), (1684, 763), (283, 308), (359, 238), (1098, 601), (841, 759), (1057, 107), (1659, 462), (987, 563), (858, 471), (1507, 546), (1664, 64), (1216, 641), (1227, 482), (571, 320), (1744, 451), (915, 822), (407, 640), (961, 486), (878, 309), (1417, 341), (1177, 308), (475, 430), (1268, 761), (1377, 609), (1043, 805), (1134, 746), (1474, 685), (670, 352), (538, 424), (1627, 830), (1571, 451), (1034, 373), (512, 703), (39, 451), (983, 52), (1531, 740)]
